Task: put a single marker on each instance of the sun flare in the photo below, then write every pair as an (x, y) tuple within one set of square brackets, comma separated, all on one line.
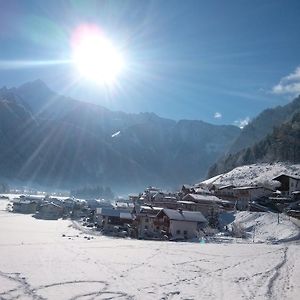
[(95, 57)]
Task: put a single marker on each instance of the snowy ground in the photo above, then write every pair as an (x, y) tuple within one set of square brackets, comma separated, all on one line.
[(37, 262), (254, 174), (263, 227)]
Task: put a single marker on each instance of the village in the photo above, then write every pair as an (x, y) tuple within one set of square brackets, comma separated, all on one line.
[(191, 213)]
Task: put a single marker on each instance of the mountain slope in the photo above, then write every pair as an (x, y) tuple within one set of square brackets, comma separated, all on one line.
[(282, 145), (56, 141), (263, 125)]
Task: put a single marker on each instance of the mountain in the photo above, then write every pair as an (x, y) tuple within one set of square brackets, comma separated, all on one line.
[(283, 145), (59, 142), (263, 125)]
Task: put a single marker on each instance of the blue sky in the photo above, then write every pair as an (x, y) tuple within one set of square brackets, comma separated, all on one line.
[(217, 61)]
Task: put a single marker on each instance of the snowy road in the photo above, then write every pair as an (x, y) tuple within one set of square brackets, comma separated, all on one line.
[(37, 262)]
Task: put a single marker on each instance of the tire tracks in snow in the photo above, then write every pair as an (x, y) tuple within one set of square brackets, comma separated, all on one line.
[(277, 269)]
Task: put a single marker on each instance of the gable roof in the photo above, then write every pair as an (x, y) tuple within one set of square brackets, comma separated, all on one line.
[(183, 215), (286, 175), (226, 187)]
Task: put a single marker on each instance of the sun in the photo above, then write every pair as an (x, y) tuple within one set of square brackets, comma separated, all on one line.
[(95, 57)]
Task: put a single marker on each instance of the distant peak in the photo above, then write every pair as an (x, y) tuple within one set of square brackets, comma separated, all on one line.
[(38, 83)]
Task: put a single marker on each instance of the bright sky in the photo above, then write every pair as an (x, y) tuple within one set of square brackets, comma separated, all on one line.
[(218, 61)]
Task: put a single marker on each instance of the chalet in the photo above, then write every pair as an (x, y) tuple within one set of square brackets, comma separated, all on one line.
[(150, 192), (180, 224), (208, 205), (145, 219), (109, 218), (245, 194), (226, 192), (24, 207), (202, 191), (187, 189), (49, 211), (289, 184)]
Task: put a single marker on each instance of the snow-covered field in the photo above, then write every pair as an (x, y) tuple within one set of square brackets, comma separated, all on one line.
[(254, 174), (38, 262)]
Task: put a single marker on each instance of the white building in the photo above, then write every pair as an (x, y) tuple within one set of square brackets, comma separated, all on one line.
[(180, 224)]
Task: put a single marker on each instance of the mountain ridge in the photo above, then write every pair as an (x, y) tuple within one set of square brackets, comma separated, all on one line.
[(66, 143)]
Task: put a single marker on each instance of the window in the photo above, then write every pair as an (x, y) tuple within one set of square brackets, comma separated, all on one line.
[(178, 231), (185, 232), (146, 227), (146, 220)]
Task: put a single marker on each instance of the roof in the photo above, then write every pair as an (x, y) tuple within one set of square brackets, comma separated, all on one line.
[(202, 191), (187, 186), (23, 202), (198, 197), (173, 198), (186, 202), (110, 212), (226, 187), (144, 209), (251, 188), (183, 215), (286, 175), (126, 215), (51, 204)]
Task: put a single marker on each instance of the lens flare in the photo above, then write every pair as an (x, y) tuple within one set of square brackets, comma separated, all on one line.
[(94, 55)]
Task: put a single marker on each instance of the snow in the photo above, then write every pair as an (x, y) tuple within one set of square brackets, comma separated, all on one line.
[(38, 262), (263, 226), (253, 174)]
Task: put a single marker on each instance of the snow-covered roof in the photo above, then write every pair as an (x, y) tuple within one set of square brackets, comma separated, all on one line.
[(183, 215), (210, 180), (144, 209), (187, 186), (198, 197), (51, 204), (202, 191), (286, 175), (186, 202), (251, 188), (22, 201), (170, 198), (226, 187)]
